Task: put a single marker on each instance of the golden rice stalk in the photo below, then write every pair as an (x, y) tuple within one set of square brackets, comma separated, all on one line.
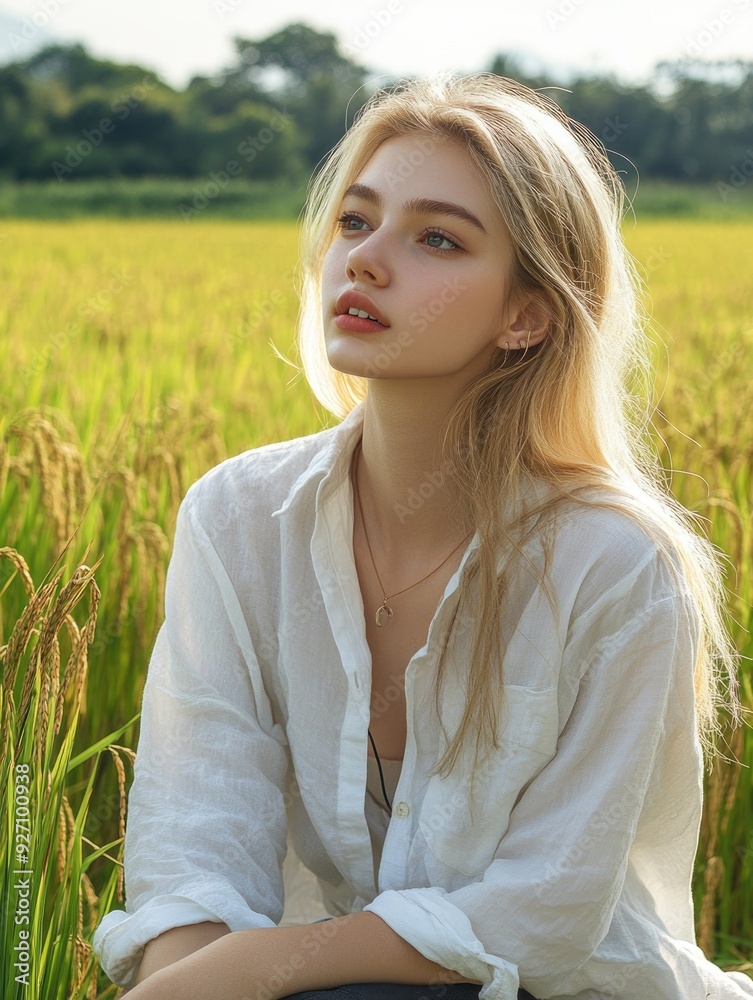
[(87, 637), (62, 855), (707, 917), (44, 616), (21, 565), (78, 660), (722, 789), (714, 865), (22, 569), (124, 552), (70, 669), (152, 547), (121, 787), (82, 956), (114, 749), (66, 836), (60, 466), (49, 668), (25, 626), (47, 462), (46, 658), (91, 896)]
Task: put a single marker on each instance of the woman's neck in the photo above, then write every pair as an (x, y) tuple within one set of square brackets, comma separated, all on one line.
[(404, 485)]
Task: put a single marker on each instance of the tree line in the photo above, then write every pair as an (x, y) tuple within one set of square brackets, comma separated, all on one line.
[(286, 99)]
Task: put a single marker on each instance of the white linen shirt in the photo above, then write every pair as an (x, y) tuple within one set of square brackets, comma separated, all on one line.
[(572, 877)]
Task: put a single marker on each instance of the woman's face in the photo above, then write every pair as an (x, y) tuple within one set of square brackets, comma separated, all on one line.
[(437, 275)]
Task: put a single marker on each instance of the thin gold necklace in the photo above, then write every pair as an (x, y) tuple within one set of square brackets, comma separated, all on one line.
[(384, 607)]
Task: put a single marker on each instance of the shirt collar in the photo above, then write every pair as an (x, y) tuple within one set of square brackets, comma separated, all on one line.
[(331, 463)]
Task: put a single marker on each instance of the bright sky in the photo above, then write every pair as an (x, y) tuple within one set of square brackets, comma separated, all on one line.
[(180, 38)]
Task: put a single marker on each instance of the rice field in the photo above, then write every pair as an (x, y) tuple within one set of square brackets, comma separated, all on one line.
[(135, 356)]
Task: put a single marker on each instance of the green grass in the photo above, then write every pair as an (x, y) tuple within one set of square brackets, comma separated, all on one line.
[(158, 198), (161, 198), (713, 201)]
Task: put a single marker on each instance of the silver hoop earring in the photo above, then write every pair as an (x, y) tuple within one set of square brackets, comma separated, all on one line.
[(528, 339), (507, 353)]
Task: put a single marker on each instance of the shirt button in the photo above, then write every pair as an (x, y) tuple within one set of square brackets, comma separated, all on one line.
[(402, 809)]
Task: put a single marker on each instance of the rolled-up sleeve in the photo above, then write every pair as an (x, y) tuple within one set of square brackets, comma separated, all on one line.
[(560, 909), (206, 828)]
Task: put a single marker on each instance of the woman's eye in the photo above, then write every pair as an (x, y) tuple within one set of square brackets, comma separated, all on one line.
[(346, 218), (439, 236)]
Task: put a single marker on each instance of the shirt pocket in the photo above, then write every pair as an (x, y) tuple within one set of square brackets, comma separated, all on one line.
[(465, 841)]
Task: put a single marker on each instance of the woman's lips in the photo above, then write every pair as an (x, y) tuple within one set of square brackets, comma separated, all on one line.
[(352, 301), (357, 324)]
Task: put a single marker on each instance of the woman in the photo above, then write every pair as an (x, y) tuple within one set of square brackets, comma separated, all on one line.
[(473, 590)]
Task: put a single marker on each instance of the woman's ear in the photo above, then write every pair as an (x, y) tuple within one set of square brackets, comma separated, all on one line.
[(527, 324)]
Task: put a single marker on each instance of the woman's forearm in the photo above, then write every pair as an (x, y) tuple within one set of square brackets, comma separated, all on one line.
[(269, 963), (176, 944)]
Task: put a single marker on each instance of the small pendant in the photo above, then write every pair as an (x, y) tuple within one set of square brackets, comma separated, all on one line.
[(385, 607)]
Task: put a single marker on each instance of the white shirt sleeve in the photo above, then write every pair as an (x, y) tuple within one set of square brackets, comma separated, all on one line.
[(562, 909), (206, 827)]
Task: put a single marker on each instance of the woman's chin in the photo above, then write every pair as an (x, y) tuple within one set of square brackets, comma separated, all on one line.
[(343, 358)]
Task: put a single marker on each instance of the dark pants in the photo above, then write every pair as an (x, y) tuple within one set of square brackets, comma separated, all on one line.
[(393, 991), (390, 991)]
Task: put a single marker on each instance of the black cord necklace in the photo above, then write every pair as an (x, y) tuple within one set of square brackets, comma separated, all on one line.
[(381, 776)]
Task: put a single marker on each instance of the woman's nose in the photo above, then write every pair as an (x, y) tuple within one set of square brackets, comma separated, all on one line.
[(368, 261)]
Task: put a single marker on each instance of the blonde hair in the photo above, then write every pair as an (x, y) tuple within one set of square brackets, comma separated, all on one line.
[(571, 411)]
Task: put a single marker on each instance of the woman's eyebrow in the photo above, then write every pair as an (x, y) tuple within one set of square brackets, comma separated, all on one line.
[(417, 206)]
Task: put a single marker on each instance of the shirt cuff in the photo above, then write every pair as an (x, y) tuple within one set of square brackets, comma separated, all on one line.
[(121, 937), (437, 928)]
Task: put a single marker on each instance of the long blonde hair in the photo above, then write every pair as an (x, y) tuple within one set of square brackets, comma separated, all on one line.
[(572, 411)]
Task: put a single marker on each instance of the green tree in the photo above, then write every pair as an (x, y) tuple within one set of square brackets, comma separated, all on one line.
[(18, 118), (308, 78), (286, 99), (72, 67)]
